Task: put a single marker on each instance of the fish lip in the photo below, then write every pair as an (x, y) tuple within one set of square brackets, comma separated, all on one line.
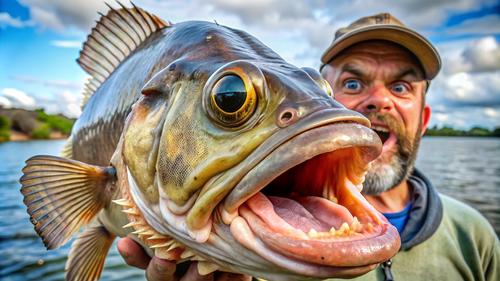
[(243, 190), (357, 255)]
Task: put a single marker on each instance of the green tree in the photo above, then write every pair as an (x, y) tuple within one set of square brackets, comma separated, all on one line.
[(42, 132), (55, 122), (5, 125)]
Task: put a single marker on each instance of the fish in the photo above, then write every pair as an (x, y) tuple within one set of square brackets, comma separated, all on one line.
[(204, 145)]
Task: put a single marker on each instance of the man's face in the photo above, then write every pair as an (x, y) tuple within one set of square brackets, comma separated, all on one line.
[(384, 82)]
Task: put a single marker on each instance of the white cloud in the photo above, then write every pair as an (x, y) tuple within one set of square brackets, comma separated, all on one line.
[(467, 117), (7, 20), (18, 98), (66, 43), (60, 15), (299, 31), (57, 84), (62, 97), (5, 102), (440, 117), (466, 89), (489, 24), (481, 55), (466, 92), (491, 112)]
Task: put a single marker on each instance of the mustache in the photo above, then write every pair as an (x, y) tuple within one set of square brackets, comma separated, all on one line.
[(396, 127)]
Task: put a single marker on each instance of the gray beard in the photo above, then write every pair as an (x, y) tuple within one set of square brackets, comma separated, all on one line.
[(382, 177)]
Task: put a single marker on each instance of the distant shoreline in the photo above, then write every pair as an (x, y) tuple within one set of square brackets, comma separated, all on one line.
[(16, 136), (23, 125), (464, 136), (446, 131)]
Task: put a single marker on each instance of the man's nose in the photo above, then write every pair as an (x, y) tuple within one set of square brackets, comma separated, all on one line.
[(378, 100)]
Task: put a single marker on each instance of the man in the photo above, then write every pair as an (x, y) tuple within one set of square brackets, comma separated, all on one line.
[(382, 69)]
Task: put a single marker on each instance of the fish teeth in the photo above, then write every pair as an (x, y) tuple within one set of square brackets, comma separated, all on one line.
[(123, 202), (344, 228), (187, 254), (312, 233), (140, 231), (156, 236), (205, 268), (369, 227), (148, 232), (356, 225), (131, 211), (161, 245), (173, 245), (132, 224)]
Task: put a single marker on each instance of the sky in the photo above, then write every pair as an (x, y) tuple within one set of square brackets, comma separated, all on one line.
[(41, 39)]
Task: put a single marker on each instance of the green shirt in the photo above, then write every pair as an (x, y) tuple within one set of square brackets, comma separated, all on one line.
[(464, 247)]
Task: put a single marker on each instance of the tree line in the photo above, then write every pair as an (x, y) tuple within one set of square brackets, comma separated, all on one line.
[(472, 132)]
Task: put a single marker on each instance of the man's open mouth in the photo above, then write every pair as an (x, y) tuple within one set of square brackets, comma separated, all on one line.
[(309, 209), (382, 132)]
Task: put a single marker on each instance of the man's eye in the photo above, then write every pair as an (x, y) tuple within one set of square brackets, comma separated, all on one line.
[(352, 85), (399, 88)]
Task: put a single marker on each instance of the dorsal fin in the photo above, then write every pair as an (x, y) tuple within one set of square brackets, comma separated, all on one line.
[(115, 36)]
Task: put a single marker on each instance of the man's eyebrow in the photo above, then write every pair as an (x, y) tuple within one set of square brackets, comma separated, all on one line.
[(353, 69), (406, 72)]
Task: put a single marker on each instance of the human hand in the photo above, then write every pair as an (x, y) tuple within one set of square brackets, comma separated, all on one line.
[(158, 269)]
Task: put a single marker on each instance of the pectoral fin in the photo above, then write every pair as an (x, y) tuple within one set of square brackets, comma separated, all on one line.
[(62, 195), (87, 254)]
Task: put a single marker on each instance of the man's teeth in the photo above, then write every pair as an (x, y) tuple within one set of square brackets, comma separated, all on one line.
[(380, 129)]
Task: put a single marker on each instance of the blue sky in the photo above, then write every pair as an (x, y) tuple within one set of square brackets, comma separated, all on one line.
[(40, 40)]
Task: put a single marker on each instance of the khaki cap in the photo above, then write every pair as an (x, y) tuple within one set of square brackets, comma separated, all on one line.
[(385, 27)]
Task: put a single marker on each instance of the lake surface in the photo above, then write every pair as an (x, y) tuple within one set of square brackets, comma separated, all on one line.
[(465, 168)]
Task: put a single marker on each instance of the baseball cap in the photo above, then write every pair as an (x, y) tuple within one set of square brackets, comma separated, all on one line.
[(384, 26)]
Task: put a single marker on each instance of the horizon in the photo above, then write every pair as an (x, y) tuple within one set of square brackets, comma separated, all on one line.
[(38, 67)]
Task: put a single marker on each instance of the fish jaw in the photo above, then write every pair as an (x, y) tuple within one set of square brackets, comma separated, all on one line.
[(346, 232)]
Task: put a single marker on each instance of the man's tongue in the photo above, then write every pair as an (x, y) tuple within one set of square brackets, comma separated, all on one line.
[(306, 213)]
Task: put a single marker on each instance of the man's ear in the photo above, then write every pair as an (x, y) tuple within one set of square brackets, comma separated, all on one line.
[(426, 116)]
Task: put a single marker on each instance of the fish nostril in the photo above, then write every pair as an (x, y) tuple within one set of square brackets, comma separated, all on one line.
[(287, 117)]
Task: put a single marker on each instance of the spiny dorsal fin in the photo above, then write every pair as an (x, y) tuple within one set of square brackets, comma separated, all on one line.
[(62, 195), (115, 36)]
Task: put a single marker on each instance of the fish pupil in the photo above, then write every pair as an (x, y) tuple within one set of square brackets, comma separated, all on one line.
[(230, 93)]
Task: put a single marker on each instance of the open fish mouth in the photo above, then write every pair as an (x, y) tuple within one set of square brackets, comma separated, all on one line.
[(303, 202), (299, 205)]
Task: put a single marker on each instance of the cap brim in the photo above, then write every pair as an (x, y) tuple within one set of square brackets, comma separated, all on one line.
[(414, 42)]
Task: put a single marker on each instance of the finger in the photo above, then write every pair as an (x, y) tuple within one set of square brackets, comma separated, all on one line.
[(193, 275), (133, 253), (226, 276), (160, 270)]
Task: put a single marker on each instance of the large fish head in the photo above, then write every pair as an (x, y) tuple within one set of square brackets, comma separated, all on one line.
[(255, 167)]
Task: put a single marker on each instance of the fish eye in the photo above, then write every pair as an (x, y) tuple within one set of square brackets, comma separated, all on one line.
[(233, 101)]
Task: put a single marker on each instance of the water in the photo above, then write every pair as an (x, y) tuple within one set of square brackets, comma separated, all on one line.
[(23, 256), (465, 168)]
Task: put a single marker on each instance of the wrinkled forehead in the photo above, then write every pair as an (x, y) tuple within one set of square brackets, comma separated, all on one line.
[(381, 52)]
